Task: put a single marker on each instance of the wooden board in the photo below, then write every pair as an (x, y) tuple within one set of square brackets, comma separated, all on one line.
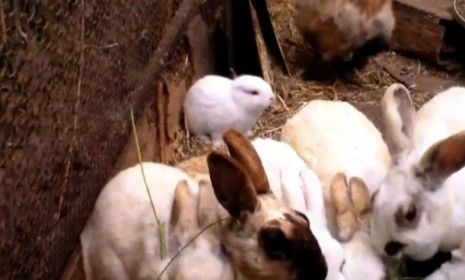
[(439, 8), (425, 34)]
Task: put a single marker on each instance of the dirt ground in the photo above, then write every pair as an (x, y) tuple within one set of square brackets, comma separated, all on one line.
[(362, 86)]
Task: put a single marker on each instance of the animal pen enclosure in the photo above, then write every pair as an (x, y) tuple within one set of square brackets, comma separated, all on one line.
[(71, 71)]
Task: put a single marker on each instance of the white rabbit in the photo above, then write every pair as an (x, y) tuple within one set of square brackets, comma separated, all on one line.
[(263, 239), (215, 104), (419, 208), (333, 137), (300, 189), (336, 28)]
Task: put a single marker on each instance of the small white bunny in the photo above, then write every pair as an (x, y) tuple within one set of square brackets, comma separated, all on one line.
[(419, 208), (333, 137), (215, 104)]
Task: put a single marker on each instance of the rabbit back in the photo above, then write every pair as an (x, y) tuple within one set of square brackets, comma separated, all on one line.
[(120, 237)]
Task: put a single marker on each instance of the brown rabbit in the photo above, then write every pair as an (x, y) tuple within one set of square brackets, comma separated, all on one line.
[(336, 28)]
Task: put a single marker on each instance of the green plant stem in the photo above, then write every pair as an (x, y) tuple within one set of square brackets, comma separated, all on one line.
[(188, 243), (161, 232)]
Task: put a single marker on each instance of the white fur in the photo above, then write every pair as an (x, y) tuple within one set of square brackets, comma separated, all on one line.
[(442, 221), (215, 104), (332, 137), (362, 261)]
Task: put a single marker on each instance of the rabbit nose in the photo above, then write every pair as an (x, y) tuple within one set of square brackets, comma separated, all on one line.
[(393, 247)]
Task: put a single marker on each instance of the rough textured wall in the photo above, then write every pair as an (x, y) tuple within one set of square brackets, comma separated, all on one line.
[(66, 72)]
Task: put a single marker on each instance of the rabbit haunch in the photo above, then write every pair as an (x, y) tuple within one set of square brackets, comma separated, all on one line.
[(419, 208), (215, 104), (338, 27), (333, 137), (263, 239)]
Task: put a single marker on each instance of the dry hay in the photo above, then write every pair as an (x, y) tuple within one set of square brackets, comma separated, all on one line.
[(362, 85)]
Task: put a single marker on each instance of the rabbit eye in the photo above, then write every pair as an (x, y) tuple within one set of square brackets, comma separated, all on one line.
[(275, 243), (253, 92), (411, 213), (407, 218)]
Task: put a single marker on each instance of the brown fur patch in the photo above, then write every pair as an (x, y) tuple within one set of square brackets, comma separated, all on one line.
[(292, 241), (367, 7), (320, 28), (323, 34), (442, 159), (242, 150), (231, 185)]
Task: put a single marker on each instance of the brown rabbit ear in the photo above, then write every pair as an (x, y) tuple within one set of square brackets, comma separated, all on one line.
[(360, 196), (442, 160), (183, 214), (242, 150), (398, 114), (345, 219), (232, 186)]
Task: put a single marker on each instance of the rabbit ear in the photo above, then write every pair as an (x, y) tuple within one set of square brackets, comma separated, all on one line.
[(345, 219), (292, 191), (242, 150), (208, 212), (398, 113), (442, 160), (360, 196), (208, 206), (183, 214), (231, 184)]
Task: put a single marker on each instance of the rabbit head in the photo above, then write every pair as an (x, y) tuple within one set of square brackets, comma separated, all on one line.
[(409, 213), (264, 239), (251, 93)]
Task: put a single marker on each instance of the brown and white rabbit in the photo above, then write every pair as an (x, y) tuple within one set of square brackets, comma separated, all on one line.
[(336, 28), (262, 239)]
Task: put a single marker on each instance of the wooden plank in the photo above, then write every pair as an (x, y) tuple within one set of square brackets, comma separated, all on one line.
[(423, 34), (439, 8)]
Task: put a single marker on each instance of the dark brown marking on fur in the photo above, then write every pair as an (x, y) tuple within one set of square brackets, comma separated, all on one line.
[(291, 240), (410, 217), (231, 185), (242, 150)]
